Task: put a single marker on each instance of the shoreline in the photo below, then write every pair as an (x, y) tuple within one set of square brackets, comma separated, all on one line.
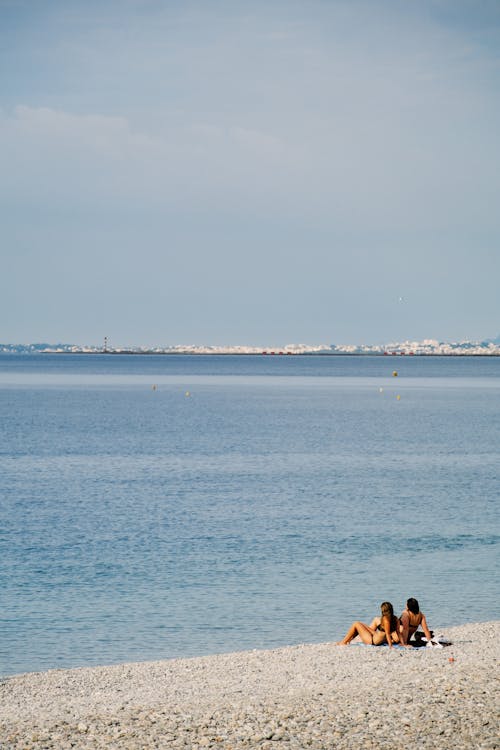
[(311, 695)]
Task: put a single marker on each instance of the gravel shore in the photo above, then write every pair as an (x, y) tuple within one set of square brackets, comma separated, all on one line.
[(308, 696)]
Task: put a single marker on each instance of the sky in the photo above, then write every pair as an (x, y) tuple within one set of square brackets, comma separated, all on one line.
[(261, 173)]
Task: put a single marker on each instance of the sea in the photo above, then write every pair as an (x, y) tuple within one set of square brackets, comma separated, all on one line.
[(159, 506)]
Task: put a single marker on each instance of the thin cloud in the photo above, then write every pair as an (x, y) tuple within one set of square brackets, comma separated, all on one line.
[(99, 132)]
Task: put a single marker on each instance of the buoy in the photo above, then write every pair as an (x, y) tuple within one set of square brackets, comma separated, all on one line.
[(398, 397), (395, 373), (381, 390), (187, 394)]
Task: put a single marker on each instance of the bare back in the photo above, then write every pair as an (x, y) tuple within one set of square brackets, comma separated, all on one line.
[(379, 635), (413, 620)]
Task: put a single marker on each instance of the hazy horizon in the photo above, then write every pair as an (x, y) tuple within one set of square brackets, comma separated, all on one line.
[(235, 172), (263, 345)]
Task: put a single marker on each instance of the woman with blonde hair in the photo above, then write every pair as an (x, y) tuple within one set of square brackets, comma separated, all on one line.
[(383, 629)]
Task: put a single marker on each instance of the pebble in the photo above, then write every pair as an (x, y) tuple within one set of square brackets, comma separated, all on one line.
[(307, 697)]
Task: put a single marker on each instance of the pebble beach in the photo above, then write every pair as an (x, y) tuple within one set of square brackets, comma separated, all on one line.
[(303, 696)]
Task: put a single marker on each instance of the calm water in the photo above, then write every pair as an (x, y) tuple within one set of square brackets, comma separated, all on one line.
[(280, 499)]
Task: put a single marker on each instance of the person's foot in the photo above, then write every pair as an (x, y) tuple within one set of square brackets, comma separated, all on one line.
[(341, 643)]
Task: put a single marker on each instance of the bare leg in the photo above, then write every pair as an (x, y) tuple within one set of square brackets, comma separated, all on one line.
[(364, 631)]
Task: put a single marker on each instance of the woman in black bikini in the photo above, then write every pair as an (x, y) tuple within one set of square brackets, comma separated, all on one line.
[(383, 629), (410, 620)]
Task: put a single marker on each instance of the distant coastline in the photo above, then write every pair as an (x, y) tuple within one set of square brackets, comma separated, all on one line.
[(153, 353), (427, 347)]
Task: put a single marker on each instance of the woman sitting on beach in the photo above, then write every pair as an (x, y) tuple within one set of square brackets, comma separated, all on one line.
[(410, 620), (383, 629)]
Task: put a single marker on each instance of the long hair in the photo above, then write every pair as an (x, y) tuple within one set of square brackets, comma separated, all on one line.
[(412, 605), (387, 609)]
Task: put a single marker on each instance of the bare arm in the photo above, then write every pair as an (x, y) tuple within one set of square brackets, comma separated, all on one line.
[(386, 624), (425, 628), (404, 629)]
